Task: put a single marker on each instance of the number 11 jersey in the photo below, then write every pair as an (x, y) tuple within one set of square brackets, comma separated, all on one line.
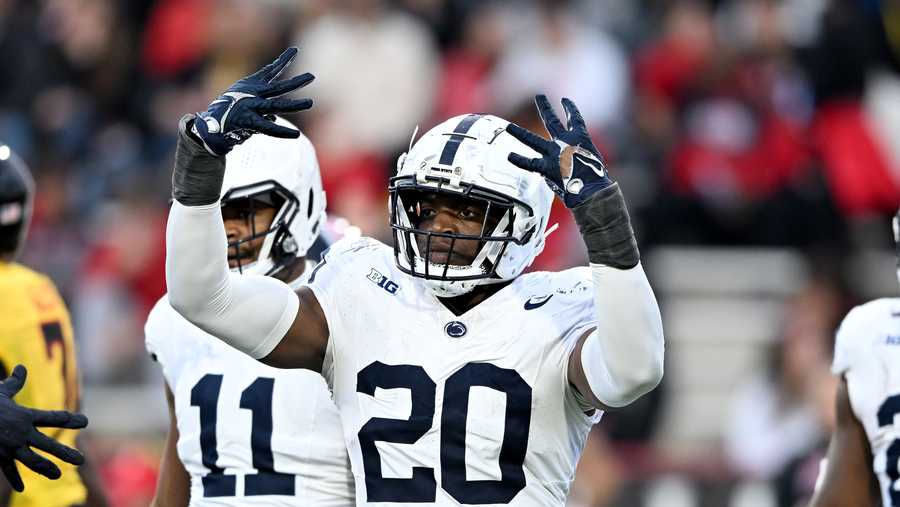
[(439, 409), (249, 434)]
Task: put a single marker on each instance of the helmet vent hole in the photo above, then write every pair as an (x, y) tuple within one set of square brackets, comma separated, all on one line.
[(309, 207)]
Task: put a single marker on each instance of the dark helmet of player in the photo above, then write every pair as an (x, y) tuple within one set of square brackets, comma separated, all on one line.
[(16, 198), (465, 159), (282, 174)]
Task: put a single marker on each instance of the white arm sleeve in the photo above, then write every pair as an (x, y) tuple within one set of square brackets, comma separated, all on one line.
[(250, 313), (623, 358)]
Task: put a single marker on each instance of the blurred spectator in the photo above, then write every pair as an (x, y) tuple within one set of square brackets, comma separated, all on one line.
[(176, 36), (741, 169), (861, 171), (122, 277), (555, 53), (775, 416), (464, 84), (666, 68), (375, 73), (795, 483)]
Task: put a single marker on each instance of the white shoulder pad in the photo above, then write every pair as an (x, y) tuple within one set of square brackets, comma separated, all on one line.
[(572, 278), (568, 295), (339, 266), (859, 330), (570, 288), (340, 256), (158, 330)]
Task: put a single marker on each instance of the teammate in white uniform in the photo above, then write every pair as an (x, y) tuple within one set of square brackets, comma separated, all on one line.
[(247, 433), (458, 379), (864, 454)]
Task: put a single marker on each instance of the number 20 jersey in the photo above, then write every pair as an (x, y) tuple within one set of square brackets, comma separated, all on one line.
[(867, 354), (439, 409), (249, 434)]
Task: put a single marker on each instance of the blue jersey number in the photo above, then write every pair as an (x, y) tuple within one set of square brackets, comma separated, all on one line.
[(421, 487), (889, 409), (257, 398)]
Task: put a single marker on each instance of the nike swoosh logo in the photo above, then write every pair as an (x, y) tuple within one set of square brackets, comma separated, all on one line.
[(538, 302), (599, 170)]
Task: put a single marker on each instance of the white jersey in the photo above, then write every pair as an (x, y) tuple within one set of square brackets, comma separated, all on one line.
[(439, 409), (249, 434), (867, 354)]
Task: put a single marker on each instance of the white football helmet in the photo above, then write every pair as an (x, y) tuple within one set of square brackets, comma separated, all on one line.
[(466, 156), (896, 226), (284, 174)]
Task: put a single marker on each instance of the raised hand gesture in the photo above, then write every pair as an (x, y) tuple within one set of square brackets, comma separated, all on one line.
[(248, 105), (570, 163), (18, 434)]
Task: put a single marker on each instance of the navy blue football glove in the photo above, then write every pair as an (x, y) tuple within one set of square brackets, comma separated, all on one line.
[(18, 433), (248, 106), (571, 164)]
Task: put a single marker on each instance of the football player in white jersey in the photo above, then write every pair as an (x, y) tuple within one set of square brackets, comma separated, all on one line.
[(459, 380), (243, 433), (861, 467)]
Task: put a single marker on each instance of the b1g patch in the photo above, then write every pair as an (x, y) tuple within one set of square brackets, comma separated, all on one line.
[(382, 281)]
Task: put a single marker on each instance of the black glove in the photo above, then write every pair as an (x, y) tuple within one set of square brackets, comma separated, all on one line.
[(18, 433), (248, 105), (574, 169), (571, 163)]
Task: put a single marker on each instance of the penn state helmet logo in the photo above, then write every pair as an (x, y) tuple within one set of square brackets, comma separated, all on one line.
[(455, 329)]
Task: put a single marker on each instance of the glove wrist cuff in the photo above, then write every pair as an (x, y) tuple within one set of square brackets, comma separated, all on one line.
[(197, 176), (606, 229)]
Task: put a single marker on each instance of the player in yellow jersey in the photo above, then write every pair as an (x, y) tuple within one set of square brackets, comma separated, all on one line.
[(35, 331)]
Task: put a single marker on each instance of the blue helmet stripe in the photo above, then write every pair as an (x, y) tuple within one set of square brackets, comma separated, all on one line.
[(453, 143)]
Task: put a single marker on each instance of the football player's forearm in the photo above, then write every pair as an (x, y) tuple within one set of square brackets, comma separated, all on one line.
[(250, 313), (623, 358)]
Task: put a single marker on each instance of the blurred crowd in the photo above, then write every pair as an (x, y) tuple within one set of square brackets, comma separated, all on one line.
[(728, 123)]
